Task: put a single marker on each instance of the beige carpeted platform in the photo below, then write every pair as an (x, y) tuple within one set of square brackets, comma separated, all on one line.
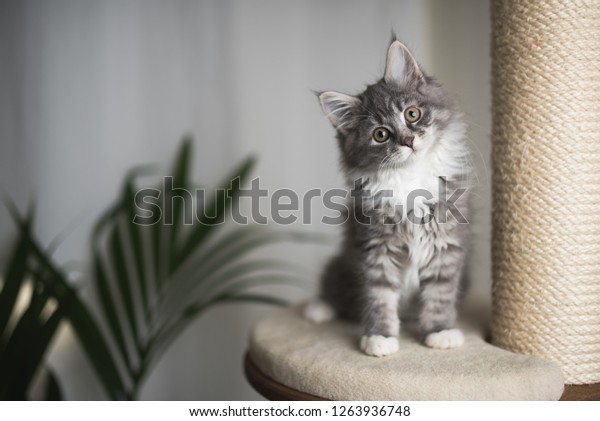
[(324, 360)]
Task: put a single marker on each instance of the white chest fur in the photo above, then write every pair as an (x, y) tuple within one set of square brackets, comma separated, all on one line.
[(406, 190)]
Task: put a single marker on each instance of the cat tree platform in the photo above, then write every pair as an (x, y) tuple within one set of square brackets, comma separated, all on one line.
[(293, 359)]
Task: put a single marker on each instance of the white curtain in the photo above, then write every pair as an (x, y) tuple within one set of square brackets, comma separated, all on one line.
[(90, 88)]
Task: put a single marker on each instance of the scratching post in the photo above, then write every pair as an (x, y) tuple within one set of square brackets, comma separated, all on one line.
[(546, 185)]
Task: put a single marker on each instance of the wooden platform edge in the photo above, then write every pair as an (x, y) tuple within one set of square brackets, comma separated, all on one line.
[(581, 392), (272, 389)]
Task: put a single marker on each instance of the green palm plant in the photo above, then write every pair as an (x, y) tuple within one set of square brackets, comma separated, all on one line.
[(153, 280)]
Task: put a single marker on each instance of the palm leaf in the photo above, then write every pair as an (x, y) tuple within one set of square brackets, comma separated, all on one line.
[(135, 242), (13, 279), (180, 171), (107, 305), (116, 256), (37, 337), (52, 391), (216, 209)]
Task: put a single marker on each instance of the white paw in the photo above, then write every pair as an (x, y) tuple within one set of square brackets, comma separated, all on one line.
[(379, 346), (445, 339), (318, 311)]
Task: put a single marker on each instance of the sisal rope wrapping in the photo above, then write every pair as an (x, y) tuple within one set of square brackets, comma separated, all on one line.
[(546, 182)]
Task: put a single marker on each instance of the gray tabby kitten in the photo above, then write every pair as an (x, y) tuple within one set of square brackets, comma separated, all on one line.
[(401, 250)]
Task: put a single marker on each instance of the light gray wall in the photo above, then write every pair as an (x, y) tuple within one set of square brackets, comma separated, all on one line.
[(90, 89)]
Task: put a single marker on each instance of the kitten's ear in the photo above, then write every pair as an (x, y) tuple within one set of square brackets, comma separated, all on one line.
[(338, 108), (400, 66)]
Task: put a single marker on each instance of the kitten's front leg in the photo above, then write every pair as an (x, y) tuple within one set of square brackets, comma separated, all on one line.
[(381, 322), (439, 291)]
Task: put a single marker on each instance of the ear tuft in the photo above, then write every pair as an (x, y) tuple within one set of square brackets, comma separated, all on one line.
[(400, 66), (338, 108)]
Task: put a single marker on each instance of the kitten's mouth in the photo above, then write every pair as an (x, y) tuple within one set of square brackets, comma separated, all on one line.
[(399, 158)]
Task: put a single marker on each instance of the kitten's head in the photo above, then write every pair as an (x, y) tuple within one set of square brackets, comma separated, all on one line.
[(403, 116)]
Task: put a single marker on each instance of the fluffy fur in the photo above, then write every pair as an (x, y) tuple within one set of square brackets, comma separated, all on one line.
[(402, 251)]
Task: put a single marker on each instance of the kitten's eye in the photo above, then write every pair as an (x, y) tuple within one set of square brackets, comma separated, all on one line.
[(381, 134), (412, 114)]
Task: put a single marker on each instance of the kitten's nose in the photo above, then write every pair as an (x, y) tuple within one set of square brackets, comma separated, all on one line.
[(408, 141)]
